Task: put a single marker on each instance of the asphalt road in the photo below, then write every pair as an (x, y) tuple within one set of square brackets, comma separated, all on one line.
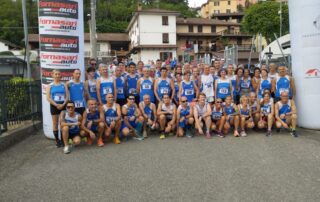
[(254, 168)]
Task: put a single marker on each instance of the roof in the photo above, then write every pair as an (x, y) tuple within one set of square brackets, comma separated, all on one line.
[(157, 11), (151, 11), (228, 14), (204, 21), (119, 37), (8, 43)]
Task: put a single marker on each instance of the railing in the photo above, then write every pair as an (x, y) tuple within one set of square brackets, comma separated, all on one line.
[(232, 32), (20, 102)]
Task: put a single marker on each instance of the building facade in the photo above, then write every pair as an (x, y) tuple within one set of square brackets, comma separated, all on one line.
[(152, 35), (218, 6)]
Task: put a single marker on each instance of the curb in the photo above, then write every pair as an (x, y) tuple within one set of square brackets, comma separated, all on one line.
[(13, 137)]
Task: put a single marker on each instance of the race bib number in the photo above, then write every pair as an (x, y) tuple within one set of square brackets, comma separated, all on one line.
[(92, 89), (120, 90), (265, 110), (58, 97), (216, 116), (133, 91), (164, 90), (78, 104), (283, 90), (146, 86), (189, 92), (244, 85), (223, 90), (107, 90)]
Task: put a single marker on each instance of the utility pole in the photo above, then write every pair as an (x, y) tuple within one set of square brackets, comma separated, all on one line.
[(26, 41), (92, 25), (280, 12)]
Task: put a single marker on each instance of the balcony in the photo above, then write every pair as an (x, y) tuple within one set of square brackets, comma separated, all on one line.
[(103, 54), (232, 32)]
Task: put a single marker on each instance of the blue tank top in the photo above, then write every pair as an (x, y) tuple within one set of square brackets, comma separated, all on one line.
[(223, 88), (106, 87), (188, 90), (77, 94), (164, 87), (245, 85), (244, 112), (92, 88), (148, 111), (120, 87), (283, 85), (266, 108), (284, 108), (146, 88), (184, 112), (229, 110), (58, 93), (264, 84), (233, 79), (216, 114), (110, 113), (72, 129), (132, 84), (92, 117), (130, 112)]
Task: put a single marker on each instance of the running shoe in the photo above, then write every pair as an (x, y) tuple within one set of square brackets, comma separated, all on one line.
[(189, 134), (116, 140), (294, 133), (243, 133), (208, 135), (162, 136), (100, 142), (236, 133), (138, 133), (220, 134), (268, 133), (59, 143), (66, 149)]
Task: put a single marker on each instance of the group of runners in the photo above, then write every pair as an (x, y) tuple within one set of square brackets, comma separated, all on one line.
[(130, 101)]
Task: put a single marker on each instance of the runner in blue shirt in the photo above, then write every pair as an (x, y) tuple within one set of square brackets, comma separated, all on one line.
[(77, 92), (105, 85), (145, 86)]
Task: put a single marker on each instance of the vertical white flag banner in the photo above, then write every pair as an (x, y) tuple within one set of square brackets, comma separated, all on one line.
[(305, 48), (61, 44)]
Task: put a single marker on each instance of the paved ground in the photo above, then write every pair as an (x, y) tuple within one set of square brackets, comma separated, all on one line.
[(255, 168)]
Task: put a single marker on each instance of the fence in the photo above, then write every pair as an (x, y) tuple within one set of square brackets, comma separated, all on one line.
[(20, 101)]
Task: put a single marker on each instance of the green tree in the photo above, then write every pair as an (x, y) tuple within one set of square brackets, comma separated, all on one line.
[(264, 18)]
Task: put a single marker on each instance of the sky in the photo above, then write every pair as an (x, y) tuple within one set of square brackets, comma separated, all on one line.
[(197, 2)]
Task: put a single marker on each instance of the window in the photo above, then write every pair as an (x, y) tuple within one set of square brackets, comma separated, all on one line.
[(98, 47), (216, 3), (213, 29), (228, 10), (165, 20), (216, 11), (190, 28), (199, 28), (165, 55), (165, 38), (229, 2)]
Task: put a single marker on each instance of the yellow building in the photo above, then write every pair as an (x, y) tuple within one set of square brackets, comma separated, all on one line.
[(218, 6), (199, 36)]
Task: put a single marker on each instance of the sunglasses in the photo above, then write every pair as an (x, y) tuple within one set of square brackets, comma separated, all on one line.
[(130, 98), (183, 101), (69, 107), (219, 102)]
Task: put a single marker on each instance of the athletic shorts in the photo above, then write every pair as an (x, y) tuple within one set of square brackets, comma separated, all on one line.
[(54, 110), (132, 123), (73, 134), (80, 110), (94, 128)]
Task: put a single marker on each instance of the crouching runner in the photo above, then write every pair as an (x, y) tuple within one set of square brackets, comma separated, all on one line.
[(132, 119), (92, 123), (167, 116), (70, 126), (218, 117), (184, 118), (149, 113), (202, 113), (112, 116)]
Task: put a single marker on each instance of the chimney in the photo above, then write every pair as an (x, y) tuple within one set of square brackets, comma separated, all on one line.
[(185, 19), (139, 6)]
